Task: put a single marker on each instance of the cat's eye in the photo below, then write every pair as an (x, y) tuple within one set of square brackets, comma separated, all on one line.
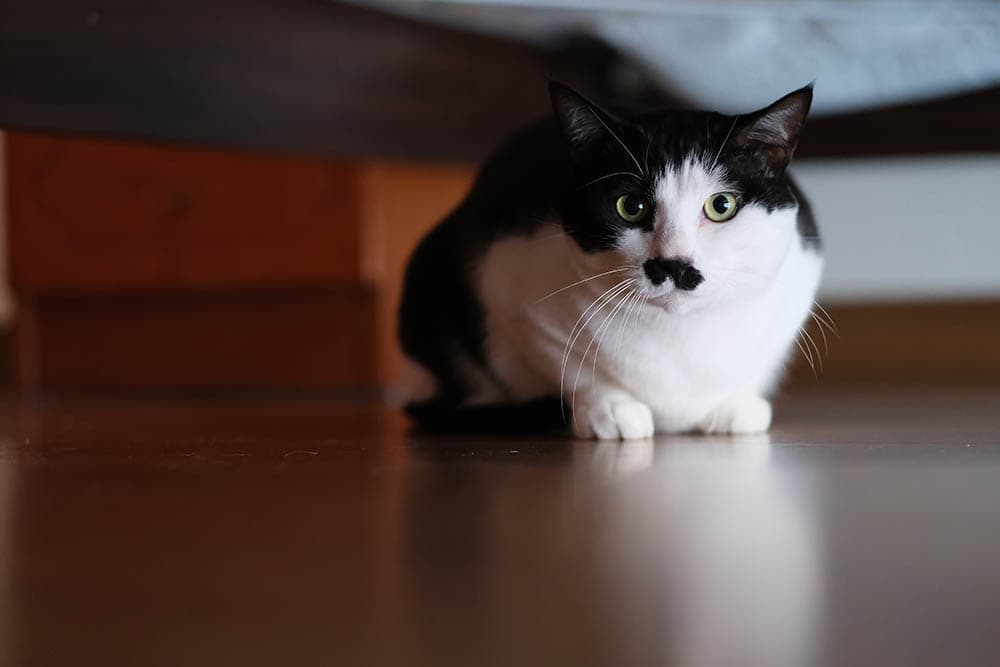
[(721, 206), (632, 209)]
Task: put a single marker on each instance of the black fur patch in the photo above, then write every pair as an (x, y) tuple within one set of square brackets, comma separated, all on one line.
[(543, 414), (681, 272)]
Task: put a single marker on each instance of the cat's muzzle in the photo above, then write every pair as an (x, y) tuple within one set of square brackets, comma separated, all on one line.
[(680, 270)]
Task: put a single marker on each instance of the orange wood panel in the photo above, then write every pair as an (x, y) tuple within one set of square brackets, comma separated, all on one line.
[(401, 202), (273, 340), (92, 215)]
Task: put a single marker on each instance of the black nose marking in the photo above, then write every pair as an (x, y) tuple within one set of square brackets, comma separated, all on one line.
[(684, 275)]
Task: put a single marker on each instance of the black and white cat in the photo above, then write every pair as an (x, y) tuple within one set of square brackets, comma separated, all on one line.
[(630, 274)]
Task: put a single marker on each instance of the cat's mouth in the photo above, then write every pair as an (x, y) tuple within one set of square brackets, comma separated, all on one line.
[(671, 298), (666, 298)]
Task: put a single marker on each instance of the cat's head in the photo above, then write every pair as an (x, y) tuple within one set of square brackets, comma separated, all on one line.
[(697, 204)]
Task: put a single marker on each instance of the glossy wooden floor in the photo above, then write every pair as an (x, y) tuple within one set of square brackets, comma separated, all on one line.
[(865, 530)]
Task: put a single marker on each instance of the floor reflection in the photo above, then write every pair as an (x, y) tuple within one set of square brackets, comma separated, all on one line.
[(636, 552), (281, 533), (8, 493)]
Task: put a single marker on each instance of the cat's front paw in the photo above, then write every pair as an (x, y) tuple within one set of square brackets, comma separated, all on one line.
[(743, 413), (614, 419)]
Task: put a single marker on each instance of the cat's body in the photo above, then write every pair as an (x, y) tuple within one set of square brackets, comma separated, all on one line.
[(583, 266)]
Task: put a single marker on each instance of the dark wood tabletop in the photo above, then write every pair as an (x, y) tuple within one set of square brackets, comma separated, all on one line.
[(862, 531), (313, 76)]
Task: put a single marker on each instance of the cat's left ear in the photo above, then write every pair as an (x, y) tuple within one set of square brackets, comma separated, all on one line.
[(584, 124), (773, 132)]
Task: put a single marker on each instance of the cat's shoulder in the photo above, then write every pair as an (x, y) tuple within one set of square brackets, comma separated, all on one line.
[(518, 187)]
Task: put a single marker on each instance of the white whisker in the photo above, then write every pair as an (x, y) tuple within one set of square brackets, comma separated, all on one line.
[(596, 303), (719, 154), (642, 310), (807, 357), (829, 320), (602, 332), (579, 369), (641, 303), (618, 139), (809, 338), (638, 318), (549, 237), (574, 334), (597, 352), (617, 173), (632, 306), (822, 331), (580, 282)]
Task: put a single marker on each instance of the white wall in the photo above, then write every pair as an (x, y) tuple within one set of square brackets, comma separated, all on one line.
[(911, 228)]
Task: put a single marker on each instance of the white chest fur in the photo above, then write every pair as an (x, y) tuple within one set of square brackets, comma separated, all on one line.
[(682, 362)]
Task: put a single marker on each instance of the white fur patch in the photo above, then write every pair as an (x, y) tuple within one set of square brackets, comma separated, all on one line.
[(742, 414), (611, 419)]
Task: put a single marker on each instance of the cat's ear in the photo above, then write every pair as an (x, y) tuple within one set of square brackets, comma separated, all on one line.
[(583, 123), (773, 132)]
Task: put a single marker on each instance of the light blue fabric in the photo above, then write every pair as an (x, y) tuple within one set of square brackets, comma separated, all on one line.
[(733, 55)]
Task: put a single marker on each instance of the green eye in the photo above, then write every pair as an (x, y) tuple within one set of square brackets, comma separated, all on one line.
[(632, 209), (721, 206)]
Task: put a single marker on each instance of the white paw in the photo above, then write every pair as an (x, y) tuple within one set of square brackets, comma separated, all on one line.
[(609, 419), (743, 413)]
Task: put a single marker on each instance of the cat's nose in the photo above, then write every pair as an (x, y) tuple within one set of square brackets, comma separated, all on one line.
[(678, 269)]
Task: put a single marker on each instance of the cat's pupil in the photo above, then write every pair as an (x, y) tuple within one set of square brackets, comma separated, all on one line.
[(633, 206), (720, 204)]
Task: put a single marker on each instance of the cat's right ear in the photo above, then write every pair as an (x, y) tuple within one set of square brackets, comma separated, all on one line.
[(583, 123), (773, 132)]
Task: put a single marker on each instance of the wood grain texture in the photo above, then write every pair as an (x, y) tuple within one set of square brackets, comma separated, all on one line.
[(182, 341), (92, 215), (296, 75), (141, 267), (137, 234), (862, 532), (963, 123)]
